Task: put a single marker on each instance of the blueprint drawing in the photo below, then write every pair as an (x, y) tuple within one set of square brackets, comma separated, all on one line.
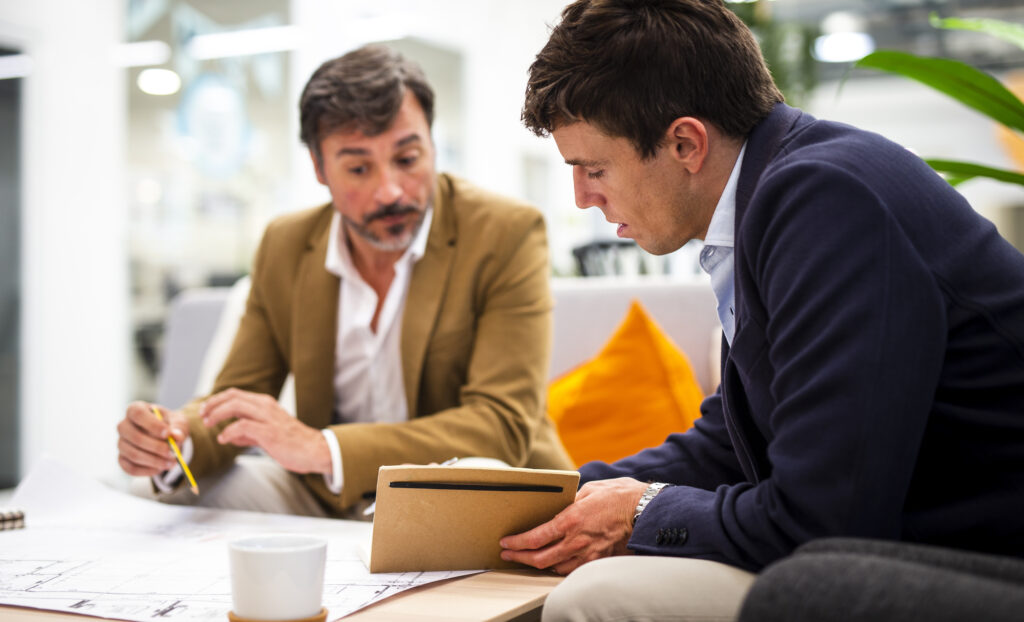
[(89, 549)]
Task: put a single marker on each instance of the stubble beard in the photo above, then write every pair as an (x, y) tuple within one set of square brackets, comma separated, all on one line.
[(399, 236)]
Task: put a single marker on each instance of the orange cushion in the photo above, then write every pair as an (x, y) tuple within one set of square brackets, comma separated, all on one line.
[(635, 392)]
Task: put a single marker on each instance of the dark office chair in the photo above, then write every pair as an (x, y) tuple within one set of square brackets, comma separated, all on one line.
[(607, 257)]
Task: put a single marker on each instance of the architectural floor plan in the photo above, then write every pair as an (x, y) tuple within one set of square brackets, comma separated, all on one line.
[(89, 549)]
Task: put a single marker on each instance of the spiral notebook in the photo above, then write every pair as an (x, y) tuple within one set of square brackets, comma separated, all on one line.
[(11, 519)]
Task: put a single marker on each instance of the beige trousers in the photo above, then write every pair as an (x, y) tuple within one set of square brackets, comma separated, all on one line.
[(644, 588), (255, 483)]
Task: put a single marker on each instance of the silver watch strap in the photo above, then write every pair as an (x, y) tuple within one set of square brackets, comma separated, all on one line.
[(645, 498)]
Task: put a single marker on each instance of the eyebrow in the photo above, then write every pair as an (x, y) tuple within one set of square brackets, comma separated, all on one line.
[(408, 140), (586, 163)]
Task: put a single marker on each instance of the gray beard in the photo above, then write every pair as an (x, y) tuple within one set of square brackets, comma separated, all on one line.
[(401, 235)]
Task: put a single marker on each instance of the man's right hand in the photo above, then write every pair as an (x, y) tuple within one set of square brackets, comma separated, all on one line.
[(142, 439)]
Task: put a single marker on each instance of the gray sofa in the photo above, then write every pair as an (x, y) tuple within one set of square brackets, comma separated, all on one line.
[(859, 580)]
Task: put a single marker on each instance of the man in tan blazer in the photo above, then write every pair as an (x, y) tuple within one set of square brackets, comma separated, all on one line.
[(413, 311)]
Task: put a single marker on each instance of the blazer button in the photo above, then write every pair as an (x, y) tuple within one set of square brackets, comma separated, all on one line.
[(684, 535), (660, 539)]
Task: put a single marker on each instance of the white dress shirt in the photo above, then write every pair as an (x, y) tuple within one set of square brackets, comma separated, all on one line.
[(368, 384)]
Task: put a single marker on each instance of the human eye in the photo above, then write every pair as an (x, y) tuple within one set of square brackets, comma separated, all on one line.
[(408, 159), (595, 174), (357, 170)]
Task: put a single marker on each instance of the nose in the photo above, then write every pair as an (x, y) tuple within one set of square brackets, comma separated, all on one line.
[(585, 196), (388, 189)]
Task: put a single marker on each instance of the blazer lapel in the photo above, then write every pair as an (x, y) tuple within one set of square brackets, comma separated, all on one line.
[(315, 309), (763, 143), (427, 287)]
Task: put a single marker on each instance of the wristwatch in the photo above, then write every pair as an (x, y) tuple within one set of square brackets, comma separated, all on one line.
[(645, 498)]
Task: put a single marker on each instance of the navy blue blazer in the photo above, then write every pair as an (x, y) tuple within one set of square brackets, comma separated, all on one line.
[(875, 383)]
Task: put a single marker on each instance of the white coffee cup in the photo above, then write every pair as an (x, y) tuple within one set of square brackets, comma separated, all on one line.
[(277, 576)]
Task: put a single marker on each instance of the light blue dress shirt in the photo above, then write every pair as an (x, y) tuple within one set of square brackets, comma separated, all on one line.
[(716, 258)]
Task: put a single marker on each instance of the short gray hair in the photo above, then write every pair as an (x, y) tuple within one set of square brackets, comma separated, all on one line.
[(361, 90)]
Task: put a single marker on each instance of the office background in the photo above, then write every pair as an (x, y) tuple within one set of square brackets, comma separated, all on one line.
[(120, 186)]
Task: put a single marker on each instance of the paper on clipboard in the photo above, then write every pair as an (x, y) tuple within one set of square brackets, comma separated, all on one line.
[(441, 518)]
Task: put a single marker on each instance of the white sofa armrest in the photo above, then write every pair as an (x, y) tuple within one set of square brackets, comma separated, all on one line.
[(588, 310)]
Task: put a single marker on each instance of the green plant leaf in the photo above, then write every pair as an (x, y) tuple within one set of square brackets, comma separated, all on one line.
[(957, 172), (971, 87), (1007, 31)]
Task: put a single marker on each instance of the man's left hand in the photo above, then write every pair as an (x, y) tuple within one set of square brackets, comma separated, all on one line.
[(261, 421), (598, 524)]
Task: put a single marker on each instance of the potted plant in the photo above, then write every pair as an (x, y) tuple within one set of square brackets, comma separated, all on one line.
[(968, 85)]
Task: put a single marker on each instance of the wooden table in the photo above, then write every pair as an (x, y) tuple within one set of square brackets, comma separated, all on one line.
[(495, 596)]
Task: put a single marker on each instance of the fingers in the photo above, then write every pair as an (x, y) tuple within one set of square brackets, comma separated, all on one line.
[(143, 464), (538, 537), (217, 399), (142, 445), (242, 433), (236, 403), (523, 557), (563, 566), (144, 422), (556, 555), (178, 424), (546, 545), (175, 423), (562, 557), (597, 524)]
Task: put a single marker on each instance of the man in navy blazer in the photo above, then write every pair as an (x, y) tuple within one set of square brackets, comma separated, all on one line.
[(873, 350)]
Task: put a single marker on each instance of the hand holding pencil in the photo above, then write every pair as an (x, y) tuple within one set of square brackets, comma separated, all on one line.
[(177, 454), (148, 441)]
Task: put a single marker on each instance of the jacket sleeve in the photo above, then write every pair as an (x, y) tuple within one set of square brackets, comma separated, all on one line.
[(254, 363), (498, 385), (840, 385)]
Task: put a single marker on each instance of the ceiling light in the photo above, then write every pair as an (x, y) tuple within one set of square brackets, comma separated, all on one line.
[(244, 42), (158, 81), (843, 47), (843, 21), (141, 53)]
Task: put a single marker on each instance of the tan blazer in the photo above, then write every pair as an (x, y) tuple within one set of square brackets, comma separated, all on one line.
[(476, 338)]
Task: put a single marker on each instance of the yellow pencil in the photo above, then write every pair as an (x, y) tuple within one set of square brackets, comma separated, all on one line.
[(174, 446)]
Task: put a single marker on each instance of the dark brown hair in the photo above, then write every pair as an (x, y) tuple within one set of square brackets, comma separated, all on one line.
[(361, 90), (631, 67)]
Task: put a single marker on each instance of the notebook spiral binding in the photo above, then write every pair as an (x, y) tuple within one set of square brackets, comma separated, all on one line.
[(11, 519)]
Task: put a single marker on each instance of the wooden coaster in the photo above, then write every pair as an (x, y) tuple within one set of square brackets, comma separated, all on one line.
[(320, 617)]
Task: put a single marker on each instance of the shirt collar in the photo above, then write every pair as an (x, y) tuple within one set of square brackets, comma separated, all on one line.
[(339, 260), (722, 227)]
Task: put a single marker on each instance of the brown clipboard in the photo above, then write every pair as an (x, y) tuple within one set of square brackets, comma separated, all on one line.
[(451, 518)]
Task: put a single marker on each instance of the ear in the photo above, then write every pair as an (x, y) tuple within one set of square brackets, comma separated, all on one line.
[(317, 166), (687, 138)]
